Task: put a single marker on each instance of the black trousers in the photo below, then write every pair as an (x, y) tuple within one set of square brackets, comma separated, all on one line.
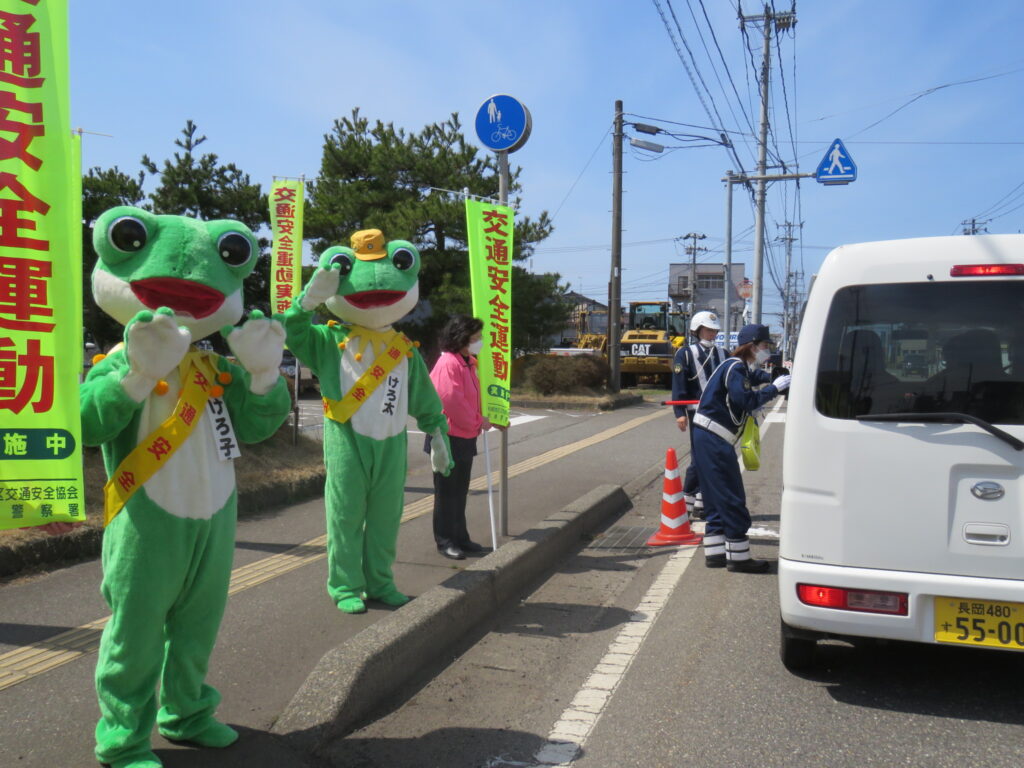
[(450, 495)]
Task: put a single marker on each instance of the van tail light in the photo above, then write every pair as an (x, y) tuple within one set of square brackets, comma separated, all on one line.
[(986, 270), (842, 599)]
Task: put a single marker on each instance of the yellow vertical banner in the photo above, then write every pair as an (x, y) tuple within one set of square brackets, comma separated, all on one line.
[(489, 233), (286, 253), (40, 271)]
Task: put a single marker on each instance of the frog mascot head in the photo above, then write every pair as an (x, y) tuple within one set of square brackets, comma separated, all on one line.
[(169, 418), (372, 377)]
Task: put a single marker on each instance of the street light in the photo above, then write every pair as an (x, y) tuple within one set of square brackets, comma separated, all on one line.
[(650, 146)]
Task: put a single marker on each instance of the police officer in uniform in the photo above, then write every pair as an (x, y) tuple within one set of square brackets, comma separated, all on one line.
[(728, 398), (691, 370)]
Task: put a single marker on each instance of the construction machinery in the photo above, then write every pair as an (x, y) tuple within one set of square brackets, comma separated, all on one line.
[(649, 343)]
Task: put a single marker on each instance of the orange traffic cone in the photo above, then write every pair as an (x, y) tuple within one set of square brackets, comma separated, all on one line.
[(675, 523)]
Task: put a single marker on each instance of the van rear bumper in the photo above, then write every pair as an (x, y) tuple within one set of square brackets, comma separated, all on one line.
[(921, 588)]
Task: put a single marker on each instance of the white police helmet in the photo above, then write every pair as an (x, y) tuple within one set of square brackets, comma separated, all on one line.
[(705, 319)]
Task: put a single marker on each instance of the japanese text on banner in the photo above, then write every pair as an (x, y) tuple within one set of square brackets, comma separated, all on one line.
[(490, 229), (40, 272), (286, 254)]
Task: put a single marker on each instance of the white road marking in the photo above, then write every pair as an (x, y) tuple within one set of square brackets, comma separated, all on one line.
[(525, 418), (570, 733), (578, 721)]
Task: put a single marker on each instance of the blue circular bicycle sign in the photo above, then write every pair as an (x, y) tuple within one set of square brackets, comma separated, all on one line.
[(503, 123)]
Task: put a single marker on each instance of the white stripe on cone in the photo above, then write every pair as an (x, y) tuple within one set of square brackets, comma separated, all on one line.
[(672, 474), (673, 522), (672, 498)]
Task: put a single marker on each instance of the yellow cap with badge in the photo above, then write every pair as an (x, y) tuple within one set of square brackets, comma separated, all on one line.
[(369, 245)]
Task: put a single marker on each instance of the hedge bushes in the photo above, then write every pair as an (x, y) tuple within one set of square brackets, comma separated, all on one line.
[(550, 375)]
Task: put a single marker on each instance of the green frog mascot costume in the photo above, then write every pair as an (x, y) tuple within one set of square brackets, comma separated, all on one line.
[(169, 417), (371, 378)]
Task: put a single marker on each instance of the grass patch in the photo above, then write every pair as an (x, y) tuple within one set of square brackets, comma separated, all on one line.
[(267, 474)]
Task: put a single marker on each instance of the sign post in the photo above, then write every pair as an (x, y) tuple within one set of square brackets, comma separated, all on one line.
[(503, 124)]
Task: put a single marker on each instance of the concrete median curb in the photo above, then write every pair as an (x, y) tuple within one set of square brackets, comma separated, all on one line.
[(356, 679)]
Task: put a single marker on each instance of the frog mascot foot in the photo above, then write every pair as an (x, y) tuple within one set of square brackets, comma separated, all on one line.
[(372, 379), (351, 605), (391, 597), (214, 734), (146, 760)]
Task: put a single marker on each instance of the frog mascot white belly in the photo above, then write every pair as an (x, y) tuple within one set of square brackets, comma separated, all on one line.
[(168, 417), (372, 378)]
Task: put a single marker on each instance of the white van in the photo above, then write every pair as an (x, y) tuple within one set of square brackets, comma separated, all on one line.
[(903, 500)]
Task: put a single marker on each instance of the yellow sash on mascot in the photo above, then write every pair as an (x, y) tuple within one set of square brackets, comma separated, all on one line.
[(398, 346), (152, 453)]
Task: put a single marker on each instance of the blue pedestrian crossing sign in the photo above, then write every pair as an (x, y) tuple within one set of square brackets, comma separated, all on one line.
[(836, 167)]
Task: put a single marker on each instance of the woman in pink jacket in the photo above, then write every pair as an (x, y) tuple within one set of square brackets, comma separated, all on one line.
[(454, 376)]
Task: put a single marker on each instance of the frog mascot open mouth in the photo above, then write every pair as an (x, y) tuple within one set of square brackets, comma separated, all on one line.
[(372, 377), (169, 418)]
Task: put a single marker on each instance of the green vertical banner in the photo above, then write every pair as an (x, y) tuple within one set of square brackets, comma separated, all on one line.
[(489, 231), (40, 271), (286, 253)]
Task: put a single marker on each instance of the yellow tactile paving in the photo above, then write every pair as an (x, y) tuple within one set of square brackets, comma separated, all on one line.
[(31, 660)]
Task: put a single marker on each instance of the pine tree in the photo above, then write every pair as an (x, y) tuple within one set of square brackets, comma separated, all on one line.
[(201, 187), (410, 186)]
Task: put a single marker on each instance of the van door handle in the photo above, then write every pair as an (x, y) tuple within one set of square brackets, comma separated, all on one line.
[(987, 534)]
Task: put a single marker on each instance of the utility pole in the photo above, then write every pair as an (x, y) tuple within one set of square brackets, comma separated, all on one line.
[(729, 288), (783, 20), (973, 226), (789, 291), (615, 282), (692, 250)]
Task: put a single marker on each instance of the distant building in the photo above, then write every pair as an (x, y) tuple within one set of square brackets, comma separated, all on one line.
[(692, 292)]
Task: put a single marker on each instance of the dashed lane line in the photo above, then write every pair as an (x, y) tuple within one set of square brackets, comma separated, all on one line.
[(29, 661)]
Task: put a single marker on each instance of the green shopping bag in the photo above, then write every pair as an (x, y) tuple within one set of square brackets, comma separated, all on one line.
[(750, 444)]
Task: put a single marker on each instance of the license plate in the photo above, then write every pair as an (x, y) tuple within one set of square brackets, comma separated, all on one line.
[(968, 621)]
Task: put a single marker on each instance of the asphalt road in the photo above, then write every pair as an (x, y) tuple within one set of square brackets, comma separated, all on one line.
[(279, 620), (699, 684)]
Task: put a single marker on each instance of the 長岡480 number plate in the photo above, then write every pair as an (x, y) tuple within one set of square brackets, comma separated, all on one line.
[(979, 622)]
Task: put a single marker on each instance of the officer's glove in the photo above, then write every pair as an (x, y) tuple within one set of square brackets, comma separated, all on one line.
[(782, 383)]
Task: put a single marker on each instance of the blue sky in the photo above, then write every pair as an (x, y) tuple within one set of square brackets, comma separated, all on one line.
[(265, 80)]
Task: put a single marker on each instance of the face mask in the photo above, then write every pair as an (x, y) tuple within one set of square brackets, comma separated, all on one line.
[(476, 346), (707, 343), (761, 356)]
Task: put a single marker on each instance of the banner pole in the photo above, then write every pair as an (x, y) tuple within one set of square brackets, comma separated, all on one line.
[(490, 492), (503, 182)]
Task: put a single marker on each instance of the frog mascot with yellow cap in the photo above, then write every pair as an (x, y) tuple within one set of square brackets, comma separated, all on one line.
[(371, 378), (169, 418)]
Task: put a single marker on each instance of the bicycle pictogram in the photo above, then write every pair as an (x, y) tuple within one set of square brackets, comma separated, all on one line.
[(504, 133)]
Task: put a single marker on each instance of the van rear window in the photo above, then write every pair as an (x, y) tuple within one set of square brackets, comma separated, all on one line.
[(925, 348)]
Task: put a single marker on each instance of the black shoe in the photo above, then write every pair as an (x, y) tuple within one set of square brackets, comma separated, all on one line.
[(748, 566), (453, 553), (471, 546), (714, 561)]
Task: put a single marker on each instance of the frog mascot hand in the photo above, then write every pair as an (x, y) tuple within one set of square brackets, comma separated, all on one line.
[(166, 415), (372, 377)]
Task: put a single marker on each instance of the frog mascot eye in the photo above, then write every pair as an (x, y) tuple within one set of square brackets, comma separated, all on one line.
[(127, 234), (403, 259), (234, 248), (344, 262)]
